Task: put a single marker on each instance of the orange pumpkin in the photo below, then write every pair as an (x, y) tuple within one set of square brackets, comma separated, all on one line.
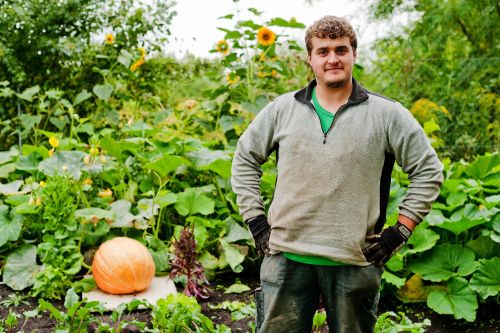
[(122, 265)]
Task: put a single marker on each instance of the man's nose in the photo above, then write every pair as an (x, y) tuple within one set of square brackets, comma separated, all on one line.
[(332, 57)]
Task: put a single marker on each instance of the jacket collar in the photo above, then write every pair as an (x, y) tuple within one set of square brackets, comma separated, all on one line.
[(358, 93)]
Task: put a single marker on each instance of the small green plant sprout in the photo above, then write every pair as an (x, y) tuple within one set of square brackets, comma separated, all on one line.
[(239, 310), (319, 321), (11, 321), (14, 300), (78, 313), (181, 313), (390, 322)]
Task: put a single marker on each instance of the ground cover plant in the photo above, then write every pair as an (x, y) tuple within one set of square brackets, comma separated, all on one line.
[(142, 148)]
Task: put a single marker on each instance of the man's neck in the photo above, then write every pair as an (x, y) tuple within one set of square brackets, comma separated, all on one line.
[(333, 98)]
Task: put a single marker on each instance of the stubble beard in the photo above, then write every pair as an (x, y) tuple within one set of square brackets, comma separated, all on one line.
[(337, 84)]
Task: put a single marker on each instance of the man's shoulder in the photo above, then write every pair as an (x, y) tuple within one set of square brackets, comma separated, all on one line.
[(378, 96)]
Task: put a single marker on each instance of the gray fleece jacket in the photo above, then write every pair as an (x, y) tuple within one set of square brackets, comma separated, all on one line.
[(332, 189)]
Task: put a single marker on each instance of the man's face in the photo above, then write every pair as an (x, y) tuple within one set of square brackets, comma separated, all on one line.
[(332, 61)]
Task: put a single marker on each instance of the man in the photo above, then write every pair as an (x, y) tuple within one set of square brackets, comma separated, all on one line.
[(336, 145)]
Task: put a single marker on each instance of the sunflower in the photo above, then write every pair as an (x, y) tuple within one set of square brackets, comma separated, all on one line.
[(265, 36), (110, 38), (222, 47)]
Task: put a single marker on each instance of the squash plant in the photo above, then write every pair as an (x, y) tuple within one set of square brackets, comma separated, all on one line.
[(453, 255)]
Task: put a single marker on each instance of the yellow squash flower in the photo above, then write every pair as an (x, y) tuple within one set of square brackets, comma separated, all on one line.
[(54, 142), (86, 159), (231, 78), (135, 66), (88, 181), (105, 193), (142, 52), (51, 152), (42, 183), (266, 36), (110, 38), (222, 47)]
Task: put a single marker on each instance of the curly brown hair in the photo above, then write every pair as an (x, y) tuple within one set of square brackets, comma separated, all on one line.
[(332, 27)]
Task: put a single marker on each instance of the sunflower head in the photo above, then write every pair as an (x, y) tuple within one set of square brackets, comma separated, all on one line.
[(222, 47), (110, 38), (266, 36)]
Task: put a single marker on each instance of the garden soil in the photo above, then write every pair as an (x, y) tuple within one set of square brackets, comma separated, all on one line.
[(488, 319)]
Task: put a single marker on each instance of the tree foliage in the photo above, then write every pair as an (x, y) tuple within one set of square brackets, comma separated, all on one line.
[(47, 43), (449, 57)]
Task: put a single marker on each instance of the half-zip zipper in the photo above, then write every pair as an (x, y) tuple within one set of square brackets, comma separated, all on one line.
[(334, 118), (341, 108)]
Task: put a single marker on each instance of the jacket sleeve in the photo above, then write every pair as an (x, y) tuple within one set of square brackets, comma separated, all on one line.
[(417, 158), (253, 148)]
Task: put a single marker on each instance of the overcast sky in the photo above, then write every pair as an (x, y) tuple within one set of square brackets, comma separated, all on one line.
[(194, 29)]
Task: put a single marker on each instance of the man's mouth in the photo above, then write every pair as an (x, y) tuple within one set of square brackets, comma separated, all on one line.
[(333, 69)]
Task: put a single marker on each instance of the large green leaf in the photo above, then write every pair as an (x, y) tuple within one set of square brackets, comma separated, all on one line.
[(444, 261), (486, 279), (191, 202), (10, 229), (435, 217), (20, 267), (482, 166), (93, 215), (484, 247), (63, 162), (166, 164), (422, 239), (165, 198), (279, 22), (456, 198), (11, 188), (103, 91), (466, 218), (214, 160), (393, 279), (208, 261), (7, 169), (82, 96), (235, 232), (29, 93), (458, 300), (8, 156), (232, 255), (122, 216)]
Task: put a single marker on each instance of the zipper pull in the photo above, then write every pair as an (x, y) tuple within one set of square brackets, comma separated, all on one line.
[(324, 139)]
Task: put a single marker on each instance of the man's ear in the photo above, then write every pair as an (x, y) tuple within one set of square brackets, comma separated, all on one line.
[(309, 60), (355, 54)]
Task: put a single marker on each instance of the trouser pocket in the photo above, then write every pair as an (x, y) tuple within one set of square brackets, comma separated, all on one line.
[(273, 270)]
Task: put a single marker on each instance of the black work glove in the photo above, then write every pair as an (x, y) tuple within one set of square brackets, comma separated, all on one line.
[(386, 243), (261, 230)]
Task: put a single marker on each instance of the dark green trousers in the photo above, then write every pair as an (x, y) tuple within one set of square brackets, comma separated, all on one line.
[(291, 291)]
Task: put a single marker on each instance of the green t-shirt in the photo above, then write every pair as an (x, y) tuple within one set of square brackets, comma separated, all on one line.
[(326, 119), (325, 116)]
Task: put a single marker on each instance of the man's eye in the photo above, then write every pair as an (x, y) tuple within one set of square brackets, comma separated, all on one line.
[(342, 51), (322, 52)]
